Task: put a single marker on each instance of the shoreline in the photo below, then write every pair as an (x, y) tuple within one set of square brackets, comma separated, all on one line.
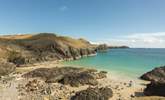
[(119, 84), (122, 90), (110, 72)]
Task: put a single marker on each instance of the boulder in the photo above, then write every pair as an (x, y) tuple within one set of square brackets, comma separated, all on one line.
[(76, 79), (101, 74), (67, 75), (16, 58), (54, 72), (155, 89), (157, 74), (6, 68), (103, 93), (157, 85)]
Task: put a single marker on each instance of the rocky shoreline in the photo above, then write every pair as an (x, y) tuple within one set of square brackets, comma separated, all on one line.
[(37, 84), (53, 81), (30, 70), (157, 84), (22, 50), (18, 52)]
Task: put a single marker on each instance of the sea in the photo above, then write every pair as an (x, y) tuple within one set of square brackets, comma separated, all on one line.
[(130, 62)]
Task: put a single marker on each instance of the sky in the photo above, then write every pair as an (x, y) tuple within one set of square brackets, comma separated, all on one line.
[(136, 23)]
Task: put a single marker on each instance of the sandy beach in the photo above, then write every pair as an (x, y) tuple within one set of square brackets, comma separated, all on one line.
[(82, 50), (123, 88)]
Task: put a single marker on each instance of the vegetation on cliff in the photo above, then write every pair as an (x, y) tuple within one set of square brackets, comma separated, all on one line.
[(25, 49), (22, 49)]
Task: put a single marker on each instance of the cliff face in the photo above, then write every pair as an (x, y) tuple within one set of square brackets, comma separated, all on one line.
[(24, 49), (102, 48)]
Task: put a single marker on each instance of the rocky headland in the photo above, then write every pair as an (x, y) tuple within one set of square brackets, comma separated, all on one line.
[(19, 81), (156, 87), (25, 49), (30, 69), (102, 48)]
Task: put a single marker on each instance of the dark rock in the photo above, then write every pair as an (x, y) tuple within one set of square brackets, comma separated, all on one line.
[(155, 89), (76, 79), (157, 85), (32, 86), (67, 75), (6, 68), (93, 94), (101, 74), (106, 92), (54, 79), (102, 47), (46, 73), (132, 96), (83, 52), (16, 58), (157, 74), (118, 47)]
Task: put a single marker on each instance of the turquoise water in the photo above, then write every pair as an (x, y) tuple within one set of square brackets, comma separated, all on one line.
[(129, 62)]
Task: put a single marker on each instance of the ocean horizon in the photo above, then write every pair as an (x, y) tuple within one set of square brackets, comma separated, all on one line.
[(130, 62)]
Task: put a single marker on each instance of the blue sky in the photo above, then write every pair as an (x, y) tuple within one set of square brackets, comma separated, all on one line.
[(137, 23)]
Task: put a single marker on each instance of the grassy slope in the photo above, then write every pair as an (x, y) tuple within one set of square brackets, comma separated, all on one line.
[(19, 42)]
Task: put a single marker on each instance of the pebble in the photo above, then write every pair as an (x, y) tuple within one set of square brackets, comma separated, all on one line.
[(132, 96)]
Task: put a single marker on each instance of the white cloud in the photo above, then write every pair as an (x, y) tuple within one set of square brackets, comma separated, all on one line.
[(142, 40), (63, 8), (148, 38)]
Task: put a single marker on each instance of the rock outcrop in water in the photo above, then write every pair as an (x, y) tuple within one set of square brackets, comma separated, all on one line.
[(66, 75), (102, 48), (157, 85), (93, 94), (156, 75)]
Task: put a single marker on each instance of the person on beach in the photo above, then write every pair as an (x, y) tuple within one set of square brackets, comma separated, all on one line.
[(130, 83)]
